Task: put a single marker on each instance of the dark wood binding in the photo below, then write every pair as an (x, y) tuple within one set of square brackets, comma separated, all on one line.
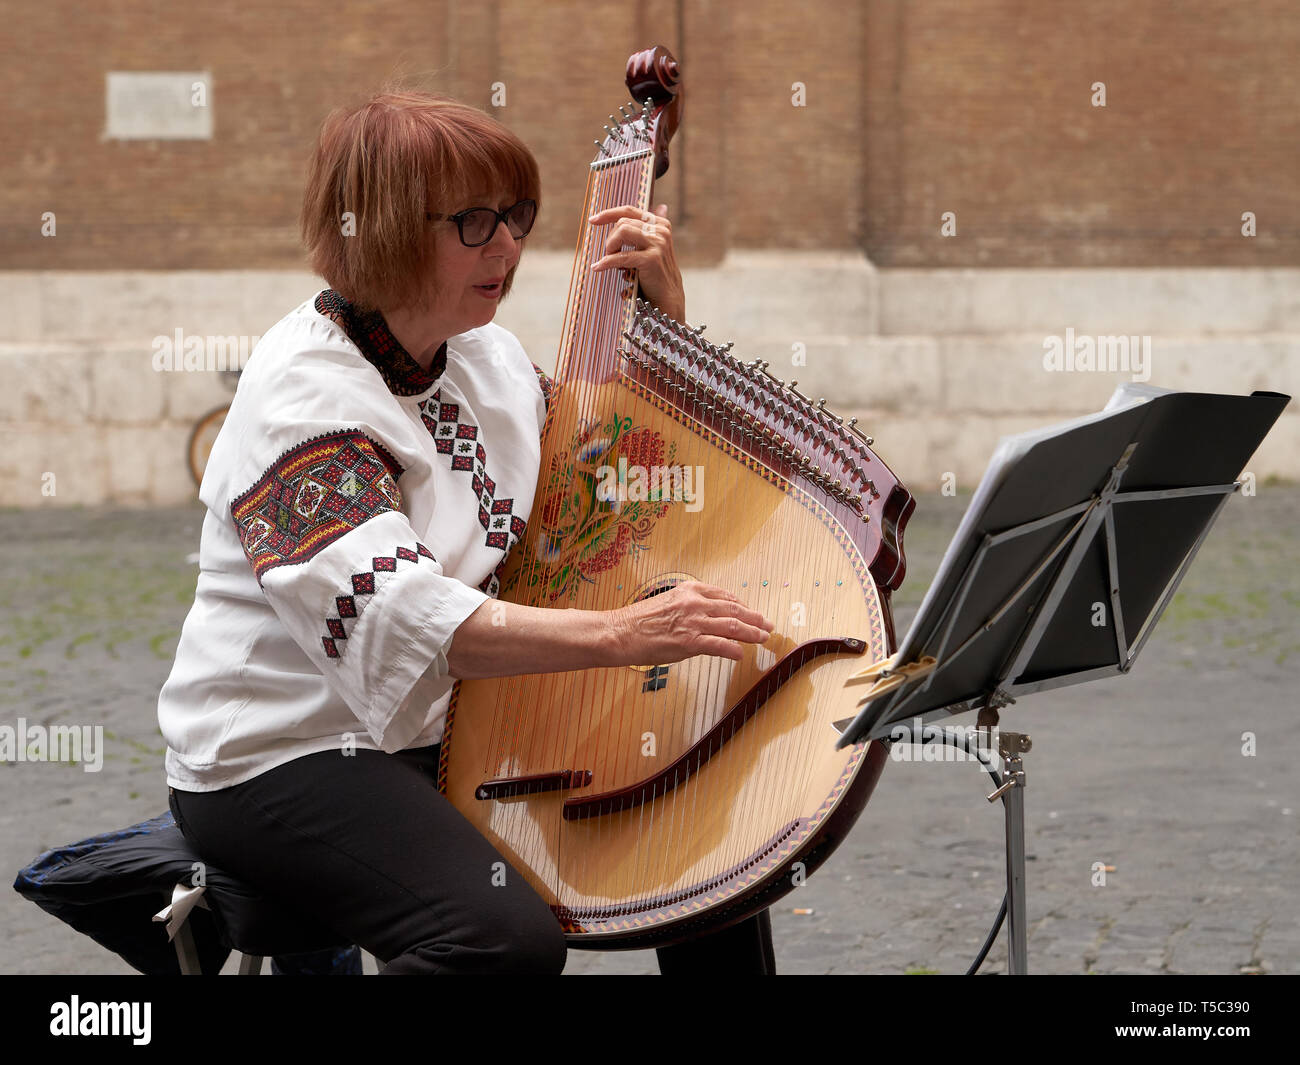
[(713, 741), (509, 787)]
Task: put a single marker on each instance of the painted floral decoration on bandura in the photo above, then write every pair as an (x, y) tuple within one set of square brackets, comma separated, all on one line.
[(579, 534)]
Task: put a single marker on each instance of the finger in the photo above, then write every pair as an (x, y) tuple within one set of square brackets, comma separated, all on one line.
[(717, 647), (610, 214), (629, 260), (759, 633), (754, 617), (712, 591), (646, 221), (745, 615), (628, 232), (733, 628)]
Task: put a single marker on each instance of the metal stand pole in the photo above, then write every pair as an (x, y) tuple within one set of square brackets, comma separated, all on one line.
[(1012, 745)]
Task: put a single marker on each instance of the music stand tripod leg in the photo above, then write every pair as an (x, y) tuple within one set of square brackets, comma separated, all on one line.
[(1012, 746)]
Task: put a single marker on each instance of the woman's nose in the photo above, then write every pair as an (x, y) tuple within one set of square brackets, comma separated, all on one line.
[(503, 242)]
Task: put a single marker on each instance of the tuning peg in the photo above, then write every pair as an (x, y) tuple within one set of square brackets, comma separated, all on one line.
[(853, 426)]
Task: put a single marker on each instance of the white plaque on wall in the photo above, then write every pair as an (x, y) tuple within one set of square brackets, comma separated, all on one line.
[(158, 105)]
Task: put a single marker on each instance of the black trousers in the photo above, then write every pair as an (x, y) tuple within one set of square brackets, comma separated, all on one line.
[(367, 845)]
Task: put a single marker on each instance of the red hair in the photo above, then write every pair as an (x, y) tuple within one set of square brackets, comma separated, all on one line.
[(390, 162)]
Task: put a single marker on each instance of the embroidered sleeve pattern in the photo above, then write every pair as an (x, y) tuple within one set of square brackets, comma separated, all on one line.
[(313, 494), (348, 608)]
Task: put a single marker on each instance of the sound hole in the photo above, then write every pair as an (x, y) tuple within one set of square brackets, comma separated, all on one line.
[(658, 584)]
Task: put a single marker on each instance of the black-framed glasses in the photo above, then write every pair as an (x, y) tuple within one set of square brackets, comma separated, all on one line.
[(479, 224)]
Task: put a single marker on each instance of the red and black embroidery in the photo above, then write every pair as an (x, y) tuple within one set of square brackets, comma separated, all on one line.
[(369, 332), (546, 385), (313, 494), (491, 584), (348, 608), (459, 439)]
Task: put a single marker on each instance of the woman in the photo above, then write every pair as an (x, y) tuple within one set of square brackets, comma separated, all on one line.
[(378, 463)]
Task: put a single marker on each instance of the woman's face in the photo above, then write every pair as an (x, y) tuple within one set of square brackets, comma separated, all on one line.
[(471, 281)]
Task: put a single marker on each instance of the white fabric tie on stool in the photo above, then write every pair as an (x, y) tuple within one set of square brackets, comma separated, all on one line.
[(184, 898)]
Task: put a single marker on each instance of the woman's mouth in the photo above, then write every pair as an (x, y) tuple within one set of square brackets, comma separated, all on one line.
[(491, 291)]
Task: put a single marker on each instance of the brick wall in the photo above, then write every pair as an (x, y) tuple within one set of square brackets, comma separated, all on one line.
[(911, 109)]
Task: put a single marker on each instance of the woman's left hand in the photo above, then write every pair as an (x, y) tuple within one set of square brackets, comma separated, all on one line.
[(652, 255)]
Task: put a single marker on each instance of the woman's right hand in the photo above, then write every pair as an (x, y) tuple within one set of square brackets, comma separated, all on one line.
[(692, 619)]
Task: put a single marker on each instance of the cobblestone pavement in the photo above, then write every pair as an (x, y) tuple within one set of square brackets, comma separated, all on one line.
[(1145, 774)]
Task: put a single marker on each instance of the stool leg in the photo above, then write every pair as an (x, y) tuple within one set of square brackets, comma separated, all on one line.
[(250, 965), (186, 953)]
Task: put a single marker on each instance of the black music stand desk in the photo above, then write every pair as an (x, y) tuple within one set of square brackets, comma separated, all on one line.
[(1072, 547)]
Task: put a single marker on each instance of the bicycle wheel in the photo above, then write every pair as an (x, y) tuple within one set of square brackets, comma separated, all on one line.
[(203, 436)]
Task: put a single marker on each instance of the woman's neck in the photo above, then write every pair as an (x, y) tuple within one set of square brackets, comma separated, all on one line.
[(420, 336)]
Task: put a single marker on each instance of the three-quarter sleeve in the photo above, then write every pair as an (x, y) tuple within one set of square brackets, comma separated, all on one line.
[(324, 531)]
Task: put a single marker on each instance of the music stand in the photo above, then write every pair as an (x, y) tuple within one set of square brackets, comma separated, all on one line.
[(1073, 545)]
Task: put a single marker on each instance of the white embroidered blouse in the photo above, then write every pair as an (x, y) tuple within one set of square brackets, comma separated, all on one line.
[(359, 509)]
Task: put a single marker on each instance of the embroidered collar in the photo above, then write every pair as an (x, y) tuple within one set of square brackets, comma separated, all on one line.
[(369, 332)]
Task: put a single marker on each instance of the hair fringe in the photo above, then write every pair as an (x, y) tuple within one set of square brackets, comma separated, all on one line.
[(389, 160)]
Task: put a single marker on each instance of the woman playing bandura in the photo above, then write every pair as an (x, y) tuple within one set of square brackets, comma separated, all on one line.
[(378, 463)]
